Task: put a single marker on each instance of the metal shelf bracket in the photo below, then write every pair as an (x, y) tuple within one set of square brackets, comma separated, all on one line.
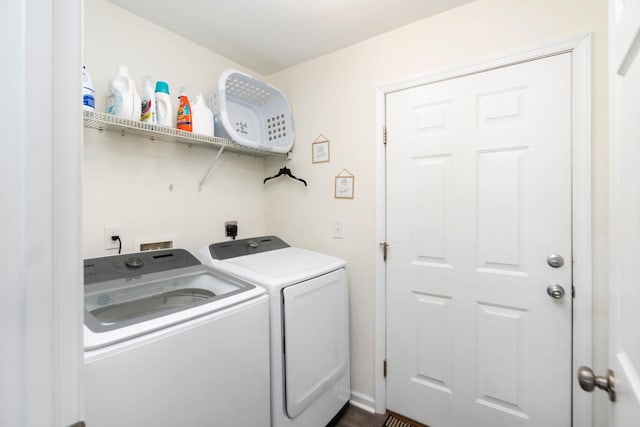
[(206, 174)]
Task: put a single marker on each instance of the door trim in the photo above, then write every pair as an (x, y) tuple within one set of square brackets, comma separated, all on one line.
[(43, 299), (580, 49)]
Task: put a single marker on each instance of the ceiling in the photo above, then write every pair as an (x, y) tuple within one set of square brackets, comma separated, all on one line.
[(270, 35)]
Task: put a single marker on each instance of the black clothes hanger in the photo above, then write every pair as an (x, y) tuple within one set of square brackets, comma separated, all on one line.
[(285, 171)]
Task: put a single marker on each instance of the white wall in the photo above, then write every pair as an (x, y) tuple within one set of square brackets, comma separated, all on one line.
[(150, 188), (335, 96)]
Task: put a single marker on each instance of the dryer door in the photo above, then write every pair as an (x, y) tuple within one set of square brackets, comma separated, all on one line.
[(316, 344)]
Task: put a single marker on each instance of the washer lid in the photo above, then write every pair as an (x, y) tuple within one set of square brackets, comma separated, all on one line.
[(130, 295), (278, 268)]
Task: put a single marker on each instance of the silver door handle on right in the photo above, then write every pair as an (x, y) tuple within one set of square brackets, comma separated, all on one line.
[(555, 291), (588, 381)]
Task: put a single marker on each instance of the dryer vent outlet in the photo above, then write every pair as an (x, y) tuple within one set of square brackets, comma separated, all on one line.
[(231, 229)]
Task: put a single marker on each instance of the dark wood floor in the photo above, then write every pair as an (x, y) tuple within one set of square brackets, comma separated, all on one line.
[(356, 417)]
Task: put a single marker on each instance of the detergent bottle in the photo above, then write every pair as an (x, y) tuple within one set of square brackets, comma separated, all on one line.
[(148, 107), (184, 118), (88, 91), (137, 104), (202, 117), (163, 104), (121, 95)]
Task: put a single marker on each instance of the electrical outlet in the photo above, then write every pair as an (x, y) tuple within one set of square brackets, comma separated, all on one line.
[(231, 229), (338, 229), (111, 230)]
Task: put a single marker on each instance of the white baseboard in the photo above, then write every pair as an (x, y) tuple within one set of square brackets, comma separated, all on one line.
[(362, 401)]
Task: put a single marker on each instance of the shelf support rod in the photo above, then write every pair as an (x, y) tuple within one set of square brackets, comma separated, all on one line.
[(210, 167)]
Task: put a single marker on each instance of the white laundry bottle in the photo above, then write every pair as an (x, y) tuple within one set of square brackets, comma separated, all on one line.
[(88, 91), (137, 104), (121, 95), (148, 106), (164, 112), (202, 117)]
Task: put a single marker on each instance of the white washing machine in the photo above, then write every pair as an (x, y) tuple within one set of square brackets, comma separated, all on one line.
[(309, 323), (170, 342)]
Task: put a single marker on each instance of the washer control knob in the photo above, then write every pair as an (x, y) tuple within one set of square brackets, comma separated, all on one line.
[(252, 244), (134, 262)]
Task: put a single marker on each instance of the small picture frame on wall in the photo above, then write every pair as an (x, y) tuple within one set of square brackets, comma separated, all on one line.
[(320, 150), (344, 185)]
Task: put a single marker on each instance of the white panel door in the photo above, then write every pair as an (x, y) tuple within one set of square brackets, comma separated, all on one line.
[(479, 195), (624, 340)]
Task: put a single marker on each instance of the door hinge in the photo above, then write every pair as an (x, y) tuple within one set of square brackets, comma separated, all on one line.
[(573, 291), (385, 248), (384, 135), (384, 368)]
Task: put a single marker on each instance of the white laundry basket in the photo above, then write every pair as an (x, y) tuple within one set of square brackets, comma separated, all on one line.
[(251, 112)]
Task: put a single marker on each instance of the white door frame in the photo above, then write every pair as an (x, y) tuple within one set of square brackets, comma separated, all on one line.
[(580, 48), (41, 309)]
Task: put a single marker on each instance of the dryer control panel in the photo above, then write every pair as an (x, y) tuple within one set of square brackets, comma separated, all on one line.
[(254, 245)]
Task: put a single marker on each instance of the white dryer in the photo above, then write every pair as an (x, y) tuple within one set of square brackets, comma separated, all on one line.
[(170, 342), (309, 324)]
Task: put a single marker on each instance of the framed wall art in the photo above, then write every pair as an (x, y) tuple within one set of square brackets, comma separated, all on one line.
[(320, 150), (344, 185)]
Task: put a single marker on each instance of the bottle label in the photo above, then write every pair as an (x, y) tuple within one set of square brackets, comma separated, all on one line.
[(147, 112), (114, 102), (184, 117), (89, 101)]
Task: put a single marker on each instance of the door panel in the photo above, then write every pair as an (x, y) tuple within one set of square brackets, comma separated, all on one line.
[(479, 194), (624, 345), (499, 224)]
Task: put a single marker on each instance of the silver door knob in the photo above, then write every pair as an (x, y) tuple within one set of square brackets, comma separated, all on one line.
[(555, 291), (555, 261), (588, 381)]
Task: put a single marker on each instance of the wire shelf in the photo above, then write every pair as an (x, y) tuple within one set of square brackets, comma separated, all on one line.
[(102, 121)]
